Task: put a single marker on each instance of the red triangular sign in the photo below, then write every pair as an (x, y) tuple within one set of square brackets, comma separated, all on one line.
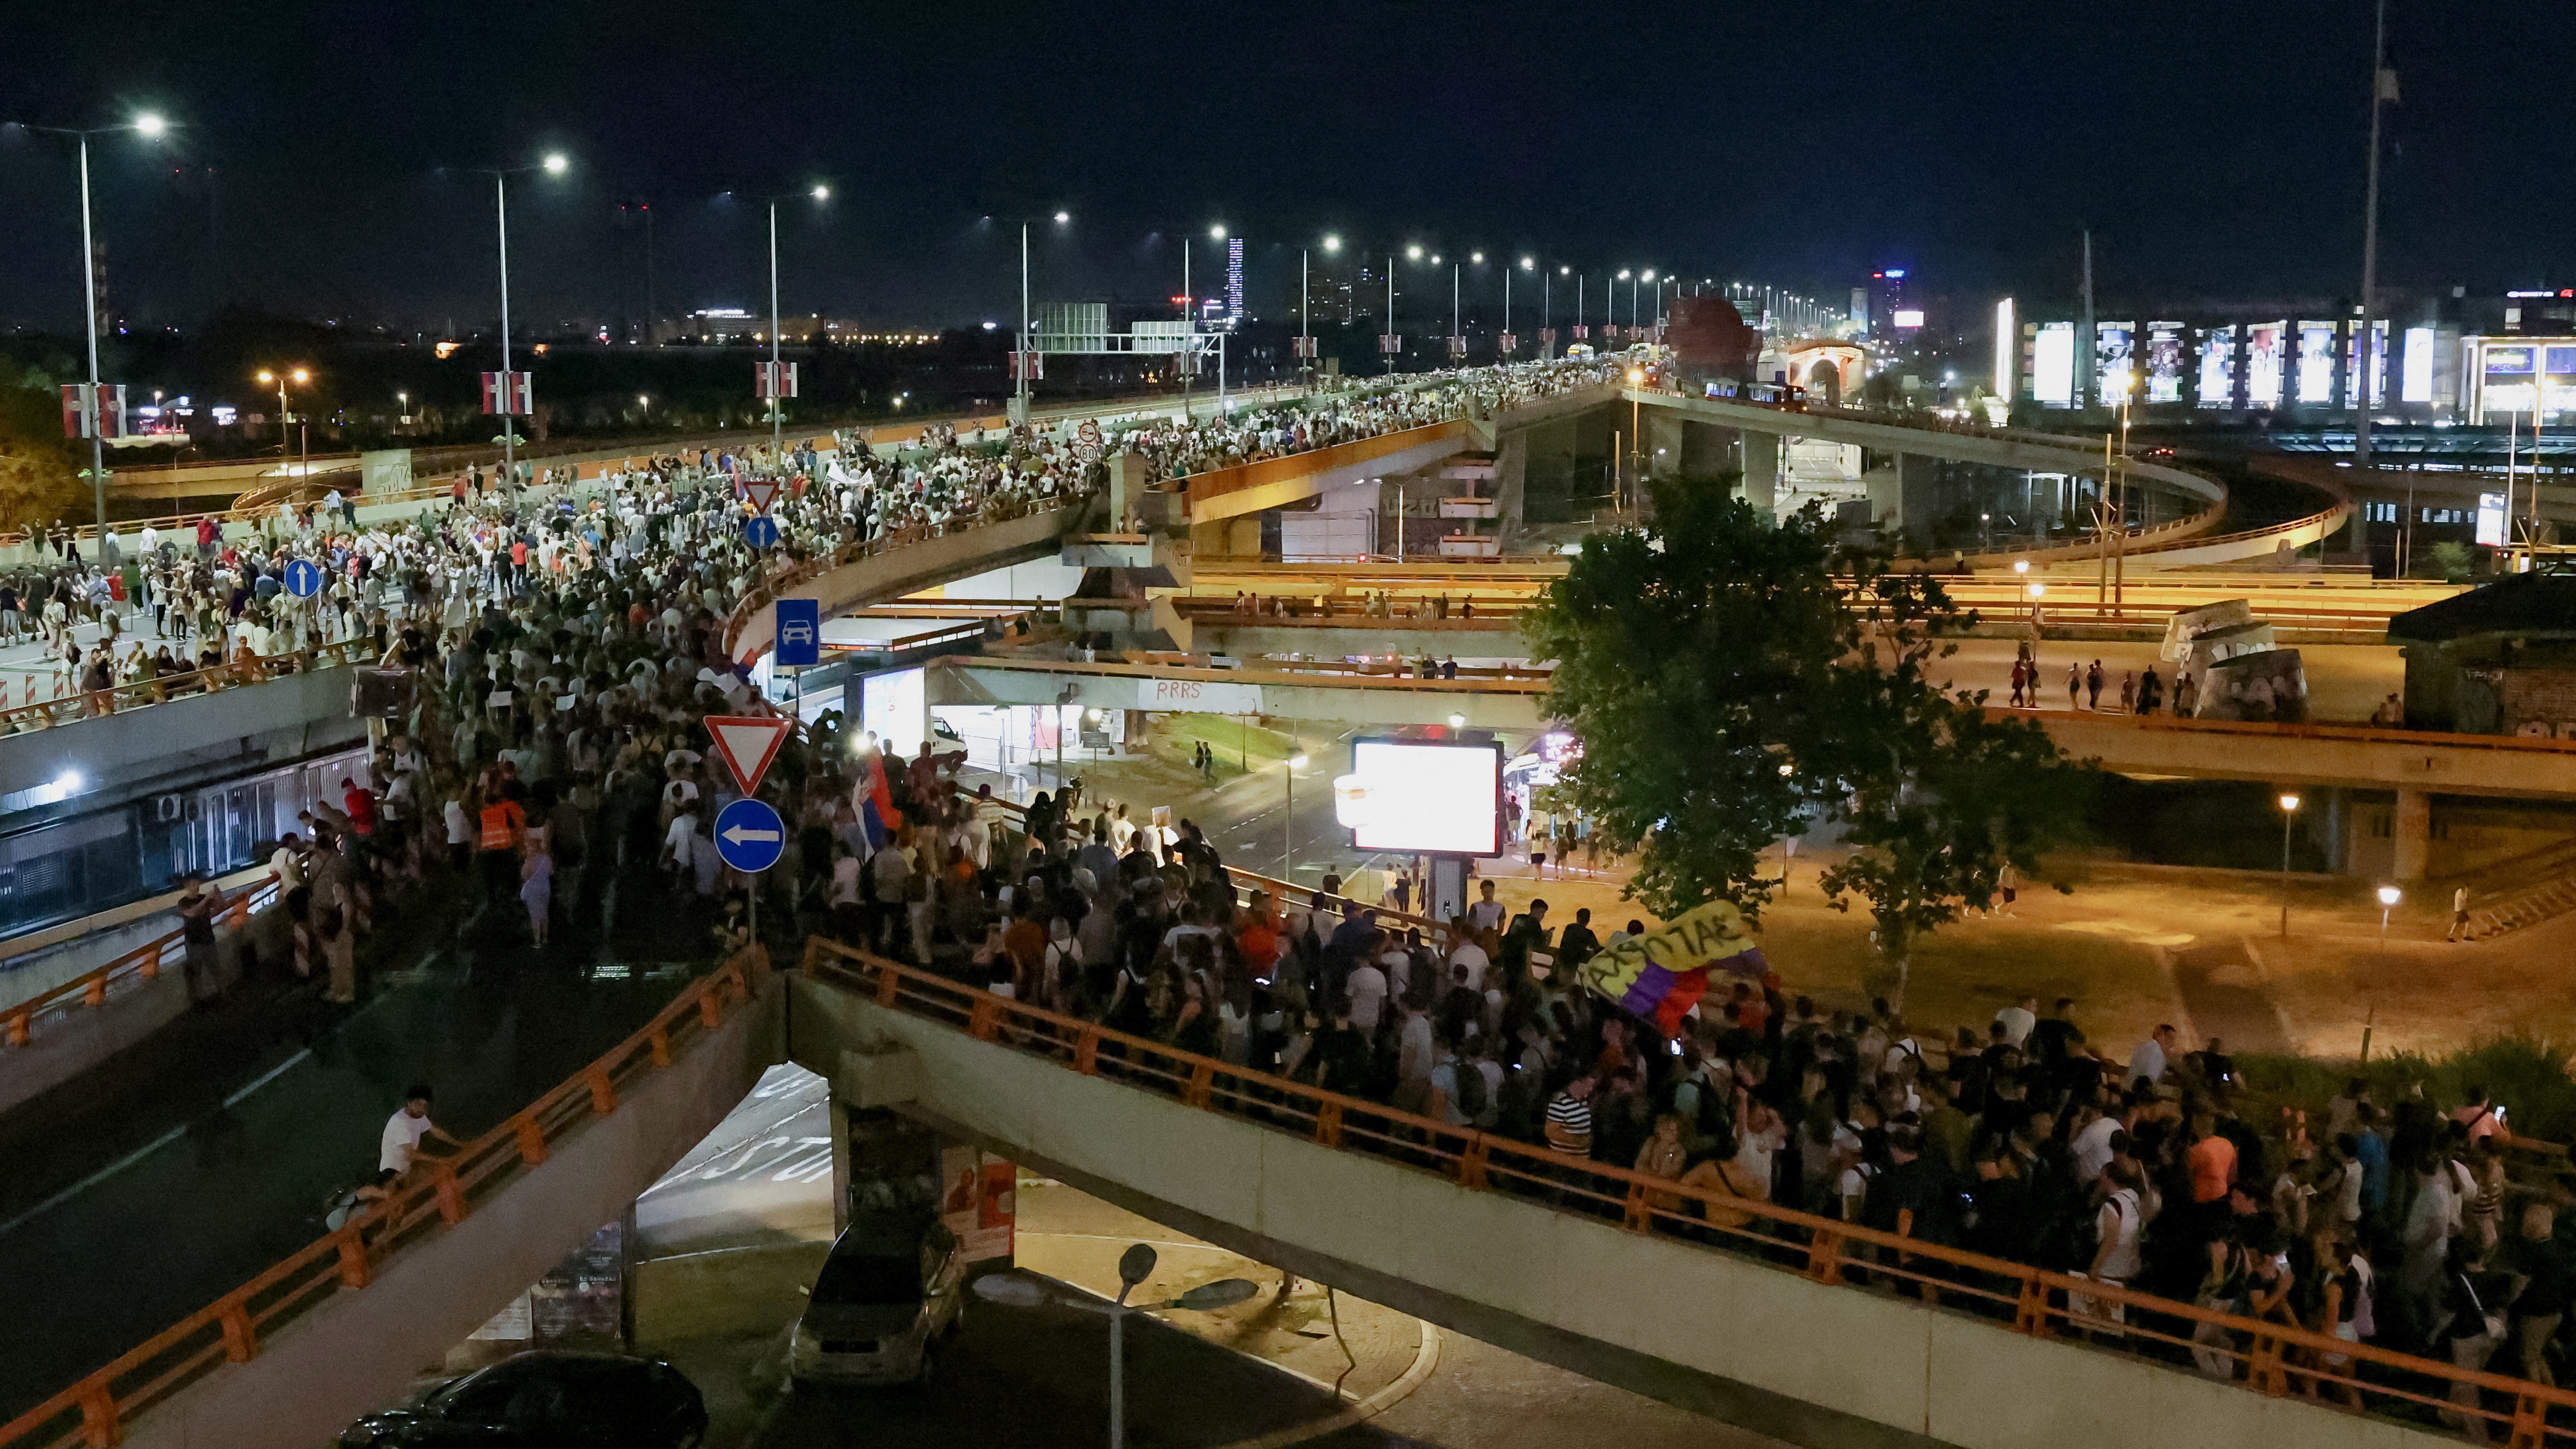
[(747, 743), (760, 491)]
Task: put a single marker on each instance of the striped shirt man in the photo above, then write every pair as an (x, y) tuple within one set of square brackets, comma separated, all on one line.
[(1569, 1119)]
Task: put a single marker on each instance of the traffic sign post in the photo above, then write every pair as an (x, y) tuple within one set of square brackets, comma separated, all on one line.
[(799, 633), (760, 531), (750, 837), (303, 578), (760, 491), (747, 743)]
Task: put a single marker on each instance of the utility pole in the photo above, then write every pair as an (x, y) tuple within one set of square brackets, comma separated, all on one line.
[(2088, 385), (2382, 82)]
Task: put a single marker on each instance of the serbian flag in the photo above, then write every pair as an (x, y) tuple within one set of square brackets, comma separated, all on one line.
[(1662, 974), (876, 803)]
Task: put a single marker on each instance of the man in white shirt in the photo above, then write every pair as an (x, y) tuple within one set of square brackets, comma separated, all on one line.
[(2018, 1019), (400, 1147), (1487, 913), (1473, 957), (2152, 1057), (1367, 991), (2092, 1145), (287, 864)]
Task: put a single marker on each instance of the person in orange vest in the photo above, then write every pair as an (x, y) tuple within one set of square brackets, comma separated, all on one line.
[(505, 825)]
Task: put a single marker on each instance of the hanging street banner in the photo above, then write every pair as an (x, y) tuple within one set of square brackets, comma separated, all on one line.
[(1662, 974)]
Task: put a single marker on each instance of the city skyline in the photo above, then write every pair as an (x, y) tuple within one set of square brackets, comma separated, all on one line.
[(332, 173)]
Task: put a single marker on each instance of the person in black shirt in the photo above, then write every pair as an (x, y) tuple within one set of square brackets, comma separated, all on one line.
[(1577, 945), (1913, 1198), (2054, 1035)]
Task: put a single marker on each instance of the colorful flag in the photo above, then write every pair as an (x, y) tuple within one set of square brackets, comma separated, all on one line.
[(1662, 974), (876, 803)]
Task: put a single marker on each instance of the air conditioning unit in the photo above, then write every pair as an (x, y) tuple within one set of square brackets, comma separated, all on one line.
[(171, 806)]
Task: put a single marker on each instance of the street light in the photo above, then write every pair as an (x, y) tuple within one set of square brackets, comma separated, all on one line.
[(1018, 1290), (2388, 898), (299, 377), (149, 126), (554, 164), (1288, 820), (1020, 365), (1332, 244), (777, 373), (1413, 253), (2289, 813)]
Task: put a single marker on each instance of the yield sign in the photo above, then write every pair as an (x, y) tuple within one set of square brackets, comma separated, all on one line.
[(747, 743), (760, 491)]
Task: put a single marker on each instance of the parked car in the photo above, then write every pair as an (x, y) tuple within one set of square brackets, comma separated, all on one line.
[(547, 1399), (891, 1290)]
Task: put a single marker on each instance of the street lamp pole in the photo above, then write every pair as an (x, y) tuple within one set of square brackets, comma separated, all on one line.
[(509, 394), (1020, 364), (2289, 815), (1288, 817), (776, 373), (2388, 897), (89, 323)]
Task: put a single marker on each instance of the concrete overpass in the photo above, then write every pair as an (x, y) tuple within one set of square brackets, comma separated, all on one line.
[(1756, 1315), (1490, 703)]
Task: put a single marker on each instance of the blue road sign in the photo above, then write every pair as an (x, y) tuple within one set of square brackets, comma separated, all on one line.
[(303, 578), (750, 836), (760, 531), (800, 633)]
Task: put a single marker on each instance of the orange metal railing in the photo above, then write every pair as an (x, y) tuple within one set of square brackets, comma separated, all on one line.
[(94, 1412), (140, 693), (94, 988), (2275, 1358)]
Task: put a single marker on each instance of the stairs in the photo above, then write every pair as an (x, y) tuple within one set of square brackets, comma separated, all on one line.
[(2524, 891)]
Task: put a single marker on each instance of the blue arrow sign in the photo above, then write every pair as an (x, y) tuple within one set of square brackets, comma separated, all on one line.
[(303, 578), (800, 633), (750, 836), (760, 531)]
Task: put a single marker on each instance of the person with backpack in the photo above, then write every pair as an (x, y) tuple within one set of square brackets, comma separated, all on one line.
[(2113, 1234)]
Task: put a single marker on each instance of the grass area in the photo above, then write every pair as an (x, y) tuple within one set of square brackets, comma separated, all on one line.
[(2526, 1075), (1172, 738)]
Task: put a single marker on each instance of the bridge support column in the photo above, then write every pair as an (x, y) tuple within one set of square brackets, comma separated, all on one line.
[(1663, 444), (2411, 832), (1902, 497), (1761, 452)]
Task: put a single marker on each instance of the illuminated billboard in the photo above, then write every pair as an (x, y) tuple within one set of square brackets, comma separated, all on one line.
[(892, 707), (2114, 361), (2378, 363), (2415, 370), (2491, 519), (1907, 317), (2263, 344), (2316, 362), (1421, 797), (2164, 362), (2218, 367), (2052, 365)]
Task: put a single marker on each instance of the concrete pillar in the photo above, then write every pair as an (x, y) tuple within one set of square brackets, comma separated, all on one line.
[(1511, 476), (1663, 443), (1707, 449), (1762, 470), (2412, 833)]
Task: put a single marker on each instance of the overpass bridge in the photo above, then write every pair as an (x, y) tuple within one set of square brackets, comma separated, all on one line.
[(1817, 1332)]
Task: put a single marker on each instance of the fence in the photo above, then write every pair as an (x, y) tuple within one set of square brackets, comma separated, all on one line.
[(144, 963), (135, 694), (93, 1412), (2269, 1357)]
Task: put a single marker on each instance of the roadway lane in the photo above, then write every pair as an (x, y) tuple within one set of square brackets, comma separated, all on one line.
[(136, 1238), (2345, 681)]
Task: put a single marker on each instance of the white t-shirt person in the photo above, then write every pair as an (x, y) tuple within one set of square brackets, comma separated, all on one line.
[(1367, 990), (400, 1146)]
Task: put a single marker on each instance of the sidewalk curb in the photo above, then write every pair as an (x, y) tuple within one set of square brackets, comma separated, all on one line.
[(1426, 1358)]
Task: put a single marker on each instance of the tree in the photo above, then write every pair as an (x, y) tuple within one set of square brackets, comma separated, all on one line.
[(1685, 652), (39, 472), (1731, 677)]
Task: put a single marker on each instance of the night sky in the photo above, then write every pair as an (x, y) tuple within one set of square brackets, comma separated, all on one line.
[(2216, 149)]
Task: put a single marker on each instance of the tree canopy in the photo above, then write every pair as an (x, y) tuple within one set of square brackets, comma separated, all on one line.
[(39, 472), (1734, 680)]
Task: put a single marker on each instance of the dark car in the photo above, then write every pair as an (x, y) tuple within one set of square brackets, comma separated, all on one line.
[(548, 1399), (891, 1289)]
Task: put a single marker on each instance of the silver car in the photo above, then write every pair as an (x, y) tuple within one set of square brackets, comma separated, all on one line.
[(890, 1291)]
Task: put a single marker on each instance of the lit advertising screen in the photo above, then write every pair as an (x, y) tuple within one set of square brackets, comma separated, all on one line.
[(892, 707), (2113, 356), (1906, 318), (2316, 362), (2164, 362), (2378, 362), (2507, 384), (2491, 519), (1421, 797), (2218, 367), (2263, 344), (2415, 373), (2052, 365)]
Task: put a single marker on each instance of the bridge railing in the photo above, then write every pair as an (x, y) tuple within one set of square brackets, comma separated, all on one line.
[(437, 1193), (94, 988), (2269, 1357), (140, 693), (2529, 746)]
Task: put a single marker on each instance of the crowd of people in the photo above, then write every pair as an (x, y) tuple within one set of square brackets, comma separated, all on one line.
[(2023, 1141)]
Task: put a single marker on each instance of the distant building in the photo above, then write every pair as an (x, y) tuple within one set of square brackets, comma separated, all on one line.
[(1234, 281), (2499, 660), (1886, 302)]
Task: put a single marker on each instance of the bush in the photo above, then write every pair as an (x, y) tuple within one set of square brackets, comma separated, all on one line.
[(2526, 1076)]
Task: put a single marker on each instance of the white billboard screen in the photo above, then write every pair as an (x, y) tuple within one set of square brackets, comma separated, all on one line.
[(2263, 343), (2114, 362), (2491, 519), (2316, 362), (2218, 367), (2052, 364), (2415, 375), (892, 707), (1415, 796), (2164, 362)]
